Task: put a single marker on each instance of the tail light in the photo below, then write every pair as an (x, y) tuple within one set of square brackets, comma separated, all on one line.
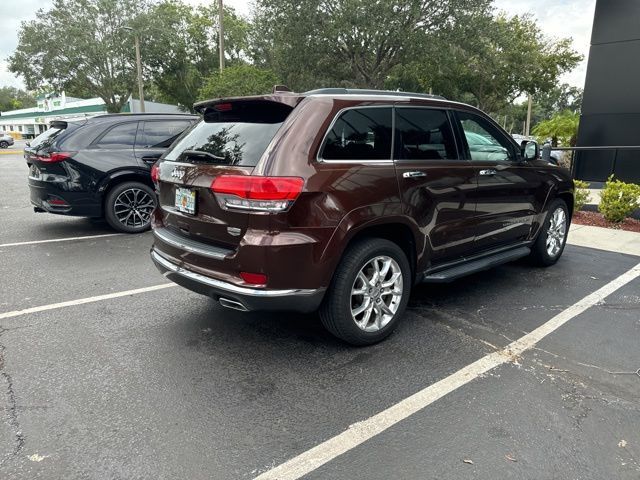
[(155, 174), (55, 157), (256, 193)]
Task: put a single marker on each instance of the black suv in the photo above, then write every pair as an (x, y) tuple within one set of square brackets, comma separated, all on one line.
[(100, 167)]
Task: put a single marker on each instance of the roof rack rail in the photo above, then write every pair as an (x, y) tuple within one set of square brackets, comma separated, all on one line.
[(364, 91)]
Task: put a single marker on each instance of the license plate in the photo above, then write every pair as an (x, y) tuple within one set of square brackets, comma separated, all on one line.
[(186, 200)]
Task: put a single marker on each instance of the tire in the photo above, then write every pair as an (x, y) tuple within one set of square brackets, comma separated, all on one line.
[(360, 259), (4, 144), (128, 207), (545, 253)]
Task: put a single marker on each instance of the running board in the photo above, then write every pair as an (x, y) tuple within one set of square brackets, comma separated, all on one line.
[(452, 273)]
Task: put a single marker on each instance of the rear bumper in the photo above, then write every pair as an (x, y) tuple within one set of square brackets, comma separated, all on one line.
[(249, 299), (77, 203)]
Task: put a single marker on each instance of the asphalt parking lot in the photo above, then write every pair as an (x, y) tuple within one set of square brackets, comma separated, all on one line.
[(163, 383)]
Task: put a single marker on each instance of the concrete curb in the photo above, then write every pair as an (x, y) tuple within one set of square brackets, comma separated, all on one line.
[(619, 241)]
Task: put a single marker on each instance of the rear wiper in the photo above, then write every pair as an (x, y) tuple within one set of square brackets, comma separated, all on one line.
[(200, 153)]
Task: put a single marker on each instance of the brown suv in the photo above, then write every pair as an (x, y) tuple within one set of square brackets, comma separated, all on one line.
[(342, 200)]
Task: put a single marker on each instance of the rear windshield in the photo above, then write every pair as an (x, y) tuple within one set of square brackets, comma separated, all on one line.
[(231, 134), (48, 137)]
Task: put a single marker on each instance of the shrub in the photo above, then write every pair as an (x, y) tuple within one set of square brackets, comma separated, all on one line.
[(618, 199), (581, 195)]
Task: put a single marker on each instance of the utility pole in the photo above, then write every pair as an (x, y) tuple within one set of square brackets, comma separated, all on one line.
[(139, 67), (528, 127), (140, 85), (221, 34)]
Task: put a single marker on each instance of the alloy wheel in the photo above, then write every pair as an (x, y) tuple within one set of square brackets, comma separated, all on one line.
[(556, 232), (376, 293), (133, 207)]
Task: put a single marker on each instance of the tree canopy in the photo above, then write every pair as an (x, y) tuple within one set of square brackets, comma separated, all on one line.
[(561, 128), (12, 98), (88, 51), (459, 48), (239, 80), (350, 43)]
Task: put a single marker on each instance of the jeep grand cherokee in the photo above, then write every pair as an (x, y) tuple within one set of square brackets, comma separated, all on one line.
[(341, 200)]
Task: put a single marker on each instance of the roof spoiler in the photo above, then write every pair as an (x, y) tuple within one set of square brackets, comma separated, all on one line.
[(60, 124)]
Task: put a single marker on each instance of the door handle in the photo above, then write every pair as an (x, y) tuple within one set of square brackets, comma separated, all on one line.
[(488, 172), (414, 174)]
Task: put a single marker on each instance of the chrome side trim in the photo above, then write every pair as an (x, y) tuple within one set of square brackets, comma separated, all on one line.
[(225, 286), (191, 246)]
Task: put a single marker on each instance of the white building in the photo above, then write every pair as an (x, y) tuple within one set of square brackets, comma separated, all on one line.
[(29, 122)]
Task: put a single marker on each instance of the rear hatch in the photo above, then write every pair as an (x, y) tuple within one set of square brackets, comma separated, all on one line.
[(230, 140), (43, 155)]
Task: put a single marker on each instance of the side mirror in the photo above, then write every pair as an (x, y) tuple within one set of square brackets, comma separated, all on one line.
[(529, 149)]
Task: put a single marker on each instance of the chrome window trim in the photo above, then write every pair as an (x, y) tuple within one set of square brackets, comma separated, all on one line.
[(319, 159)]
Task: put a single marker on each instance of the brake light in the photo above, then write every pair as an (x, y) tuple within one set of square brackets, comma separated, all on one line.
[(54, 157), (254, 278), (155, 174), (247, 192), (223, 107)]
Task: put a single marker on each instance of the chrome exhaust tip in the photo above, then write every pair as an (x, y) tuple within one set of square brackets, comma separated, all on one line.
[(232, 304)]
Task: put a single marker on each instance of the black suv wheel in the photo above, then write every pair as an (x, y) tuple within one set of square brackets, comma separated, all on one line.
[(128, 207), (4, 144)]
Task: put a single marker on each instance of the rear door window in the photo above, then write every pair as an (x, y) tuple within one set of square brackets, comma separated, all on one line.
[(234, 133), (424, 134), (360, 134), (121, 136), (161, 133)]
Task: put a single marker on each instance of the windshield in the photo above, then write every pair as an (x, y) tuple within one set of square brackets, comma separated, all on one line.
[(238, 134)]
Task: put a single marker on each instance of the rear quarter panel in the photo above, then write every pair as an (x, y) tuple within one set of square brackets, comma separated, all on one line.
[(339, 199)]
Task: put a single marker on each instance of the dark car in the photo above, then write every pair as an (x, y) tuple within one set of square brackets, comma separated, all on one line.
[(99, 167), (342, 200)]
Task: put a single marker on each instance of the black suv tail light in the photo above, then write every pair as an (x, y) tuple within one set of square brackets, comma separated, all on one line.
[(55, 157)]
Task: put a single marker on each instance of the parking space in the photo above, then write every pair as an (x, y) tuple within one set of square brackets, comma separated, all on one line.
[(167, 384)]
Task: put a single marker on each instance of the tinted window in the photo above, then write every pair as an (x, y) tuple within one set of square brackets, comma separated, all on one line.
[(424, 134), (120, 136), (46, 138), (231, 133), (360, 134), (484, 140), (161, 134)]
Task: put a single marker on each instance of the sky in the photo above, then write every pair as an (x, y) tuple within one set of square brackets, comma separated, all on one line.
[(556, 18)]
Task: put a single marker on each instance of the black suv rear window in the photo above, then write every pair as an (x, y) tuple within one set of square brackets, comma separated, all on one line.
[(47, 138), (235, 133)]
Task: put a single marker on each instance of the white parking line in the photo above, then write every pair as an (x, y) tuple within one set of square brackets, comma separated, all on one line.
[(362, 431), (81, 301), (67, 239)]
